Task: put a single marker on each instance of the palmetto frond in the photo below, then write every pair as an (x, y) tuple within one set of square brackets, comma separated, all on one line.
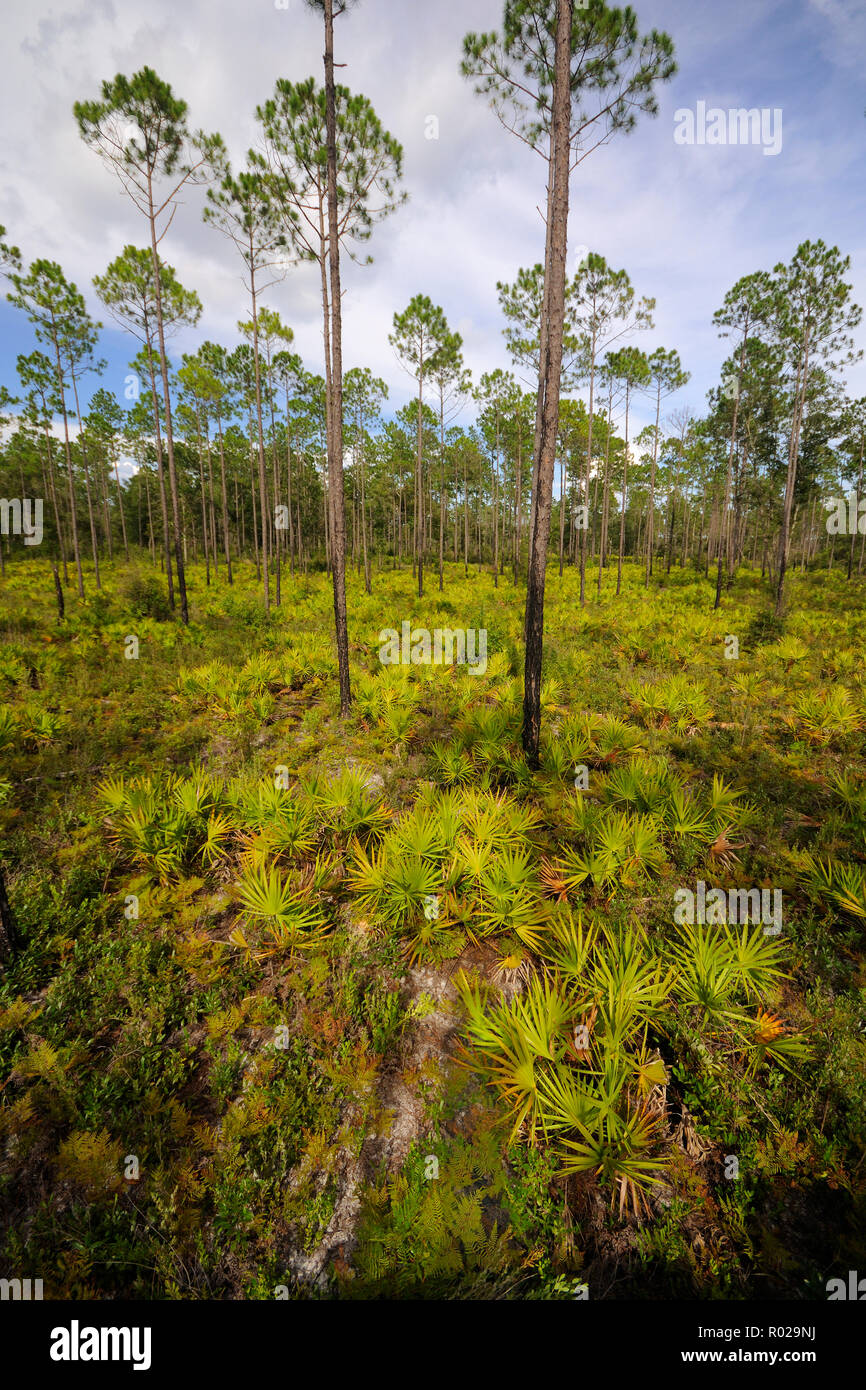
[(217, 833), (290, 919)]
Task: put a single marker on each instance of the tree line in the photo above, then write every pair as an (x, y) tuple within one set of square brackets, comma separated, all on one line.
[(243, 453)]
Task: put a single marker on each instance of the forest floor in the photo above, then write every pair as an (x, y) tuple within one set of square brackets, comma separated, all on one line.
[(308, 1008)]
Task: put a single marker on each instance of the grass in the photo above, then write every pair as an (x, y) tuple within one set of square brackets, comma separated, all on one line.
[(276, 968)]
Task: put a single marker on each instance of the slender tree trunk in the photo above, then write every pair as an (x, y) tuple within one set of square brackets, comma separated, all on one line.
[(70, 478), (731, 447), (552, 328), (163, 497), (791, 478), (584, 535), (91, 518), (9, 938), (856, 509), (624, 497), (169, 436), (335, 453)]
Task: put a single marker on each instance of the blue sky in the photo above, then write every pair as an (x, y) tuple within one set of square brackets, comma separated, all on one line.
[(685, 222)]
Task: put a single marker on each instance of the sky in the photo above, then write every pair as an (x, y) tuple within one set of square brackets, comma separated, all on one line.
[(686, 221)]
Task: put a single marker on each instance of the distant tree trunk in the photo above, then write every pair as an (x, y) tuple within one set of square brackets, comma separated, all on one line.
[(9, 939), (157, 434), (120, 509), (518, 500), (87, 492), (53, 490), (791, 478), (624, 498), (58, 591), (856, 508)]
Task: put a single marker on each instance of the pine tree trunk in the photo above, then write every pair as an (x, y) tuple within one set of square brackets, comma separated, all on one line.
[(335, 452), (550, 367)]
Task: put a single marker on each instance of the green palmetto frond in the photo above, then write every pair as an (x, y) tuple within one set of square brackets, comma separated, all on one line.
[(613, 739), (618, 1153), (397, 722), (629, 985), (684, 820), (322, 876), (611, 848), (852, 792), (348, 807), (262, 706), (575, 739), (112, 791), (707, 973), (9, 730), (195, 796), (419, 834), (569, 946), (542, 1016), (431, 940), (649, 1070), (784, 1050), (42, 726), (258, 673), (827, 715), (844, 884), (451, 765), (293, 830), (396, 888), (724, 804), (471, 858), (368, 874), (556, 759), (755, 958), (218, 831), (640, 785), (566, 1103), (647, 854), (290, 919), (499, 1052)]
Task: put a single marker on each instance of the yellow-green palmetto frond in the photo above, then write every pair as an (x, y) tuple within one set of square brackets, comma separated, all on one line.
[(290, 920)]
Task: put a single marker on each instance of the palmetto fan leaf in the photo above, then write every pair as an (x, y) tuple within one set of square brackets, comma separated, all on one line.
[(219, 829), (419, 835), (618, 1152), (542, 1016), (289, 917), (569, 946), (112, 792), (684, 819), (396, 887), (348, 806), (707, 975), (499, 1052), (725, 805), (293, 830), (845, 884), (755, 958), (195, 796), (566, 1103), (629, 985)]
